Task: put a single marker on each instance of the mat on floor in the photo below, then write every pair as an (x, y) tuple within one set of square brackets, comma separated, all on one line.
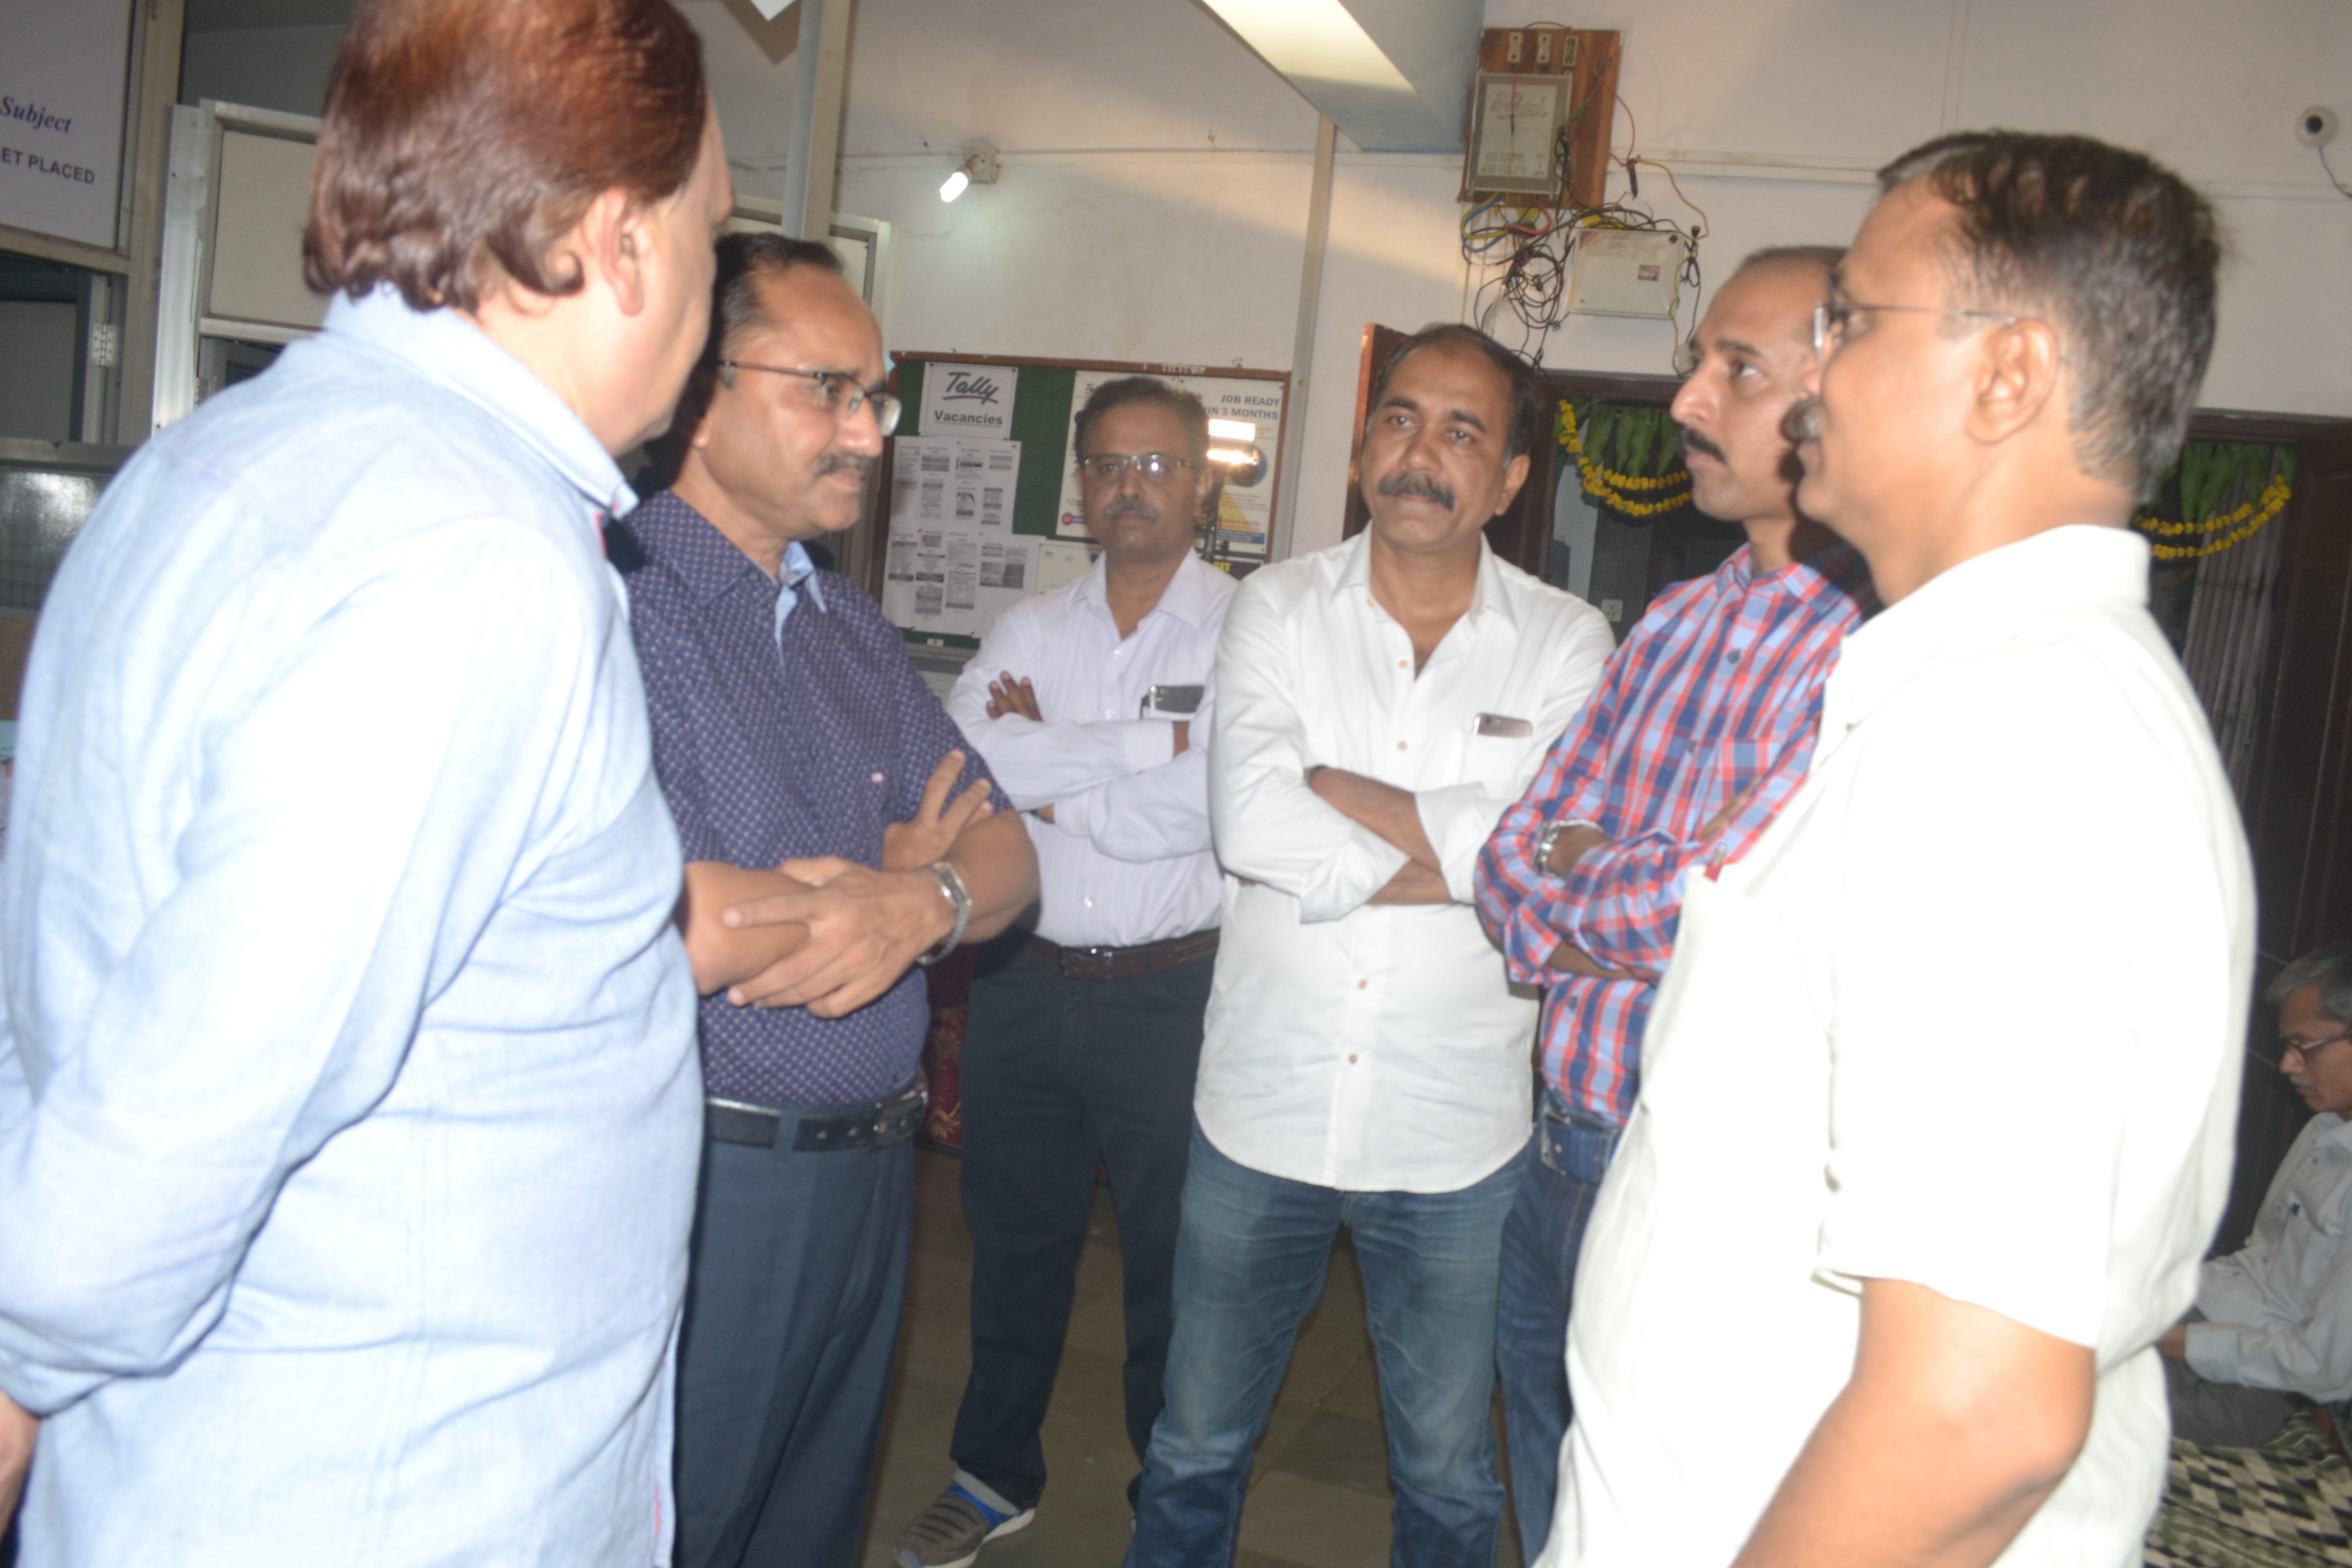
[(2287, 1504)]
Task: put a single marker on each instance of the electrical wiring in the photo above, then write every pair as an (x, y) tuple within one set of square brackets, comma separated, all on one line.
[(2330, 170)]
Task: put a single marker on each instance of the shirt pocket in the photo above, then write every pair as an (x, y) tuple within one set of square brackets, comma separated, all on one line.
[(1496, 764)]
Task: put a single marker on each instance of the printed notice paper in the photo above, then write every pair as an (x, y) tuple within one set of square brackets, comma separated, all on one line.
[(62, 66)]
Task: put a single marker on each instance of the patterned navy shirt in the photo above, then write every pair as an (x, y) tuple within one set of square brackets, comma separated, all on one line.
[(781, 732)]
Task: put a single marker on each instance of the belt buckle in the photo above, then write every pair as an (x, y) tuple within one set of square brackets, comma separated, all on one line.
[(1089, 960)]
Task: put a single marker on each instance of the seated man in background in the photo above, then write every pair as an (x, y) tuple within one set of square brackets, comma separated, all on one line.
[(1701, 729), (1379, 704), (1091, 706), (2275, 1318), (797, 745), (1941, 1085), (348, 1117)]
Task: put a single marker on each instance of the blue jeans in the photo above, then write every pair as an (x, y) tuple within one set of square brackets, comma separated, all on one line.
[(1250, 1257), (1560, 1175)]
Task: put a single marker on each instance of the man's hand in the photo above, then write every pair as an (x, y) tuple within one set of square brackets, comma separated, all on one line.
[(1414, 883), (2173, 1343), (926, 838), (1571, 846), (19, 1430), (1390, 812), (1013, 694), (864, 929)]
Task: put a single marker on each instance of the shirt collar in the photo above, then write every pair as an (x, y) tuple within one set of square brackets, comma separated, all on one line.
[(2339, 1136), (709, 563), (1186, 598), (799, 570), (445, 348), (1488, 593), (2079, 567)]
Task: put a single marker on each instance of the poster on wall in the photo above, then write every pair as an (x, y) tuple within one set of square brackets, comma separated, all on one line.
[(62, 67), (953, 563), (1245, 512), (970, 399)]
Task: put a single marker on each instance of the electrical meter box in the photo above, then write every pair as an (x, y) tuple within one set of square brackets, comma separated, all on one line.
[(1626, 272)]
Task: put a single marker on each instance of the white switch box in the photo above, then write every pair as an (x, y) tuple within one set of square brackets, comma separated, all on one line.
[(1626, 272)]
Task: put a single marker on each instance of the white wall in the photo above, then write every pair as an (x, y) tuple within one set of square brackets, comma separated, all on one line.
[(1156, 172)]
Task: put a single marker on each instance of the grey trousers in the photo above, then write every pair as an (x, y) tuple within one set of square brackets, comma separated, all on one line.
[(2222, 1415)]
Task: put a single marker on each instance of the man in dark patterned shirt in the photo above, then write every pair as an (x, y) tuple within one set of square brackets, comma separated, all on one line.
[(808, 768)]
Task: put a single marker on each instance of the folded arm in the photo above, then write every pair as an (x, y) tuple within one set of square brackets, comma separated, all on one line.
[(2313, 1357), (1040, 763), (1270, 827)]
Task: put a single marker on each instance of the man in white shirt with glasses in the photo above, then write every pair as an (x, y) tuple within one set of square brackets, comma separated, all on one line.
[(1090, 706), (1367, 1063)]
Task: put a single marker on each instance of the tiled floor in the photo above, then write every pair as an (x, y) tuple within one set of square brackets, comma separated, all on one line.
[(1319, 1499)]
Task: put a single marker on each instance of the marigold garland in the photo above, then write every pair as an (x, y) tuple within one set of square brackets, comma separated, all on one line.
[(1608, 486), (2240, 525)]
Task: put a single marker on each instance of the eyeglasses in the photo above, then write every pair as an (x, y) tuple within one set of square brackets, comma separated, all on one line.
[(840, 395), (1107, 466), (2305, 1050), (1833, 317)]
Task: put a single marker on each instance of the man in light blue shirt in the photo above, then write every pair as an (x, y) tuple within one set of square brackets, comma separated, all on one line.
[(349, 1107)]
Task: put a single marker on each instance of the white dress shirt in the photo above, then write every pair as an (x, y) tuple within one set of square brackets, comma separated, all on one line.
[(1967, 1016), (1375, 1047), (1126, 859), (2280, 1311)]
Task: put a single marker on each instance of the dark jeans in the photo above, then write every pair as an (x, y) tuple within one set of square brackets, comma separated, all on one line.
[(792, 1324), (2222, 1415), (1249, 1266), (1059, 1073), (1559, 1180)]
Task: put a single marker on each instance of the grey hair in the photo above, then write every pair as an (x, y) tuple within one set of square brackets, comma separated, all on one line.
[(2330, 969)]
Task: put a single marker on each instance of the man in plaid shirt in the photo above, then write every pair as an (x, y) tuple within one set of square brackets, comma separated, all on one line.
[(1703, 725)]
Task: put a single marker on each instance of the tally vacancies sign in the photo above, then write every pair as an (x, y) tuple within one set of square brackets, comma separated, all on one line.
[(62, 68), (969, 399)]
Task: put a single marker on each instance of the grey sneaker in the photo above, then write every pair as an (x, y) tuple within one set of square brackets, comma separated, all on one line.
[(950, 1532)]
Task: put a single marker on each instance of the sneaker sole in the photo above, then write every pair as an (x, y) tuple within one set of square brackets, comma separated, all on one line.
[(1017, 1523)]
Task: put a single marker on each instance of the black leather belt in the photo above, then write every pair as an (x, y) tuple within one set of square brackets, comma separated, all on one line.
[(890, 1120), (1124, 962)]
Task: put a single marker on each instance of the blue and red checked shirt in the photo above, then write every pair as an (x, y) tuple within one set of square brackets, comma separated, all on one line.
[(1717, 690), (787, 722)]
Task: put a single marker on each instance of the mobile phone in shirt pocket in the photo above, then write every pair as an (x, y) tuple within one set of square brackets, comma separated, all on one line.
[(1497, 748)]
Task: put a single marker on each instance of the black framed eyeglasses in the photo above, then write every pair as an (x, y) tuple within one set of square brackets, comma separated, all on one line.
[(1110, 466), (1832, 318), (841, 394), (2307, 1049)]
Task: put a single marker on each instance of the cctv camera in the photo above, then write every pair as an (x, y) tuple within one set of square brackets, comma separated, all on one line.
[(2316, 126)]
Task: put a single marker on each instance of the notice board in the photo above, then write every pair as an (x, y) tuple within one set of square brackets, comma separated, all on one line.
[(980, 497)]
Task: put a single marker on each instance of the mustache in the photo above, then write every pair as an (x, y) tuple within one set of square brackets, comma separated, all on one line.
[(1803, 422), (844, 462), (1692, 441), (1420, 485), (1130, 506)]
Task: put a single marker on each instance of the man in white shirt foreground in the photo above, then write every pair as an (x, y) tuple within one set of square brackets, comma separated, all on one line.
[(1937, 1116), (2275, 1318), (1090, 704), (1379, 704)]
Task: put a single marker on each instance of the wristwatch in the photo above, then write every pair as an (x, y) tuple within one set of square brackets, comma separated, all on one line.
[(951, 888), (1549, 840)]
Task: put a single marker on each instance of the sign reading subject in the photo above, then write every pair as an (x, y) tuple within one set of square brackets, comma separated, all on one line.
[(969, 399), (62, 65)]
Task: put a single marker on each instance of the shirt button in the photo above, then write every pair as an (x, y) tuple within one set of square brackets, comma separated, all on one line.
[(1405, 664), (1351, 1058), (1361, 983), (1090, 903), (1400, 745)]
